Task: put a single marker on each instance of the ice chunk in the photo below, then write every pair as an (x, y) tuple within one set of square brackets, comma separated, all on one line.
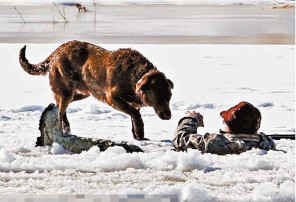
[(191, 160), (287, 190), (6, 156), (57, 149), (194, 193)]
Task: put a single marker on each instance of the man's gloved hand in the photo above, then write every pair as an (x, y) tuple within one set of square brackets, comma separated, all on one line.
[(197, 116)]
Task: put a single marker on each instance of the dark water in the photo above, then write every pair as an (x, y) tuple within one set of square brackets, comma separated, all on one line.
[(255, 24)]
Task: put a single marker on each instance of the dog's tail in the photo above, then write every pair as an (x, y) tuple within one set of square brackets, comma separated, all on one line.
[(38, 69)]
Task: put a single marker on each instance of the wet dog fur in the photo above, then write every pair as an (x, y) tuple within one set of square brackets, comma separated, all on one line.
[(124, 79)]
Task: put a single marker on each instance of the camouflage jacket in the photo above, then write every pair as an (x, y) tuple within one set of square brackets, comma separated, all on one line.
[(50, 132), (186, 137)]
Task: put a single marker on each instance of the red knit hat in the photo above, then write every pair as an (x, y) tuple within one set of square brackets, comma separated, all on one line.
[(242, 118)]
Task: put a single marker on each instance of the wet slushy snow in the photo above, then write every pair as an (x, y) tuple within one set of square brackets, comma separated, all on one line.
[(207, 78)]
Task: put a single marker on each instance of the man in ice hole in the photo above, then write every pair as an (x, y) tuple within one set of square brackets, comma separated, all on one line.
[(242, 123)]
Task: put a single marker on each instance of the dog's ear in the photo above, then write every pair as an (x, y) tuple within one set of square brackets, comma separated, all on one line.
[(141, 85), (171, 83)]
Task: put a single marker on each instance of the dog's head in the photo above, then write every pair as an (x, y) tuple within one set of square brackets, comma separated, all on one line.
[(155, 91)]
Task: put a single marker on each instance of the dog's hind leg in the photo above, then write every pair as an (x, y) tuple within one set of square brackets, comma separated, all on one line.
[(63, 102), (66, 124)]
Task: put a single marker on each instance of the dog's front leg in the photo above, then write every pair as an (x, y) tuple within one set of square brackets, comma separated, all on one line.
[(137, 122), (138, 127), (134, 127)]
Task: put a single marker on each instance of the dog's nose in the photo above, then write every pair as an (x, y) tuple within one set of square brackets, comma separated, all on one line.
[(165, 115)]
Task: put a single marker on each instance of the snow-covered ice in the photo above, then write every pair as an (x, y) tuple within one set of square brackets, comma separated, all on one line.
[(207, 78)]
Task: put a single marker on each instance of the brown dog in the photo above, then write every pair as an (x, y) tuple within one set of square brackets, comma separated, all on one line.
[(124, 79)]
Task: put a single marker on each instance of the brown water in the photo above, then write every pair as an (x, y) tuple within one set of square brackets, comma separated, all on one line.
[(254, 24)]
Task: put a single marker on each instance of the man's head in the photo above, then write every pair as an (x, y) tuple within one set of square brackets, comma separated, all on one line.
[(242, 118)]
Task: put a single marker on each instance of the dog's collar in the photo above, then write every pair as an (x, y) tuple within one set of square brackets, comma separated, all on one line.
[(145, 76)]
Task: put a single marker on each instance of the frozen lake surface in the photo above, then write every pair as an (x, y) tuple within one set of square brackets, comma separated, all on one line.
[(207, 78), (248, 24)]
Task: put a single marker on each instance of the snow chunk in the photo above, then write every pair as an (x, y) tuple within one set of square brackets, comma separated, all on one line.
[(57, 149), (170, 159), (191, 160), (110, 161), (194, 193), (116, 150), (29, 108), (95, 150), (6, 156), (92, 153), (267, 189), (259, 165), (287, 190), (73, 110), (177, 105), (266, 104), (113, 159), (197, 106), (118, 115), (94, 109), (185, 161), (256, 151), (4, 118), (183, 106)]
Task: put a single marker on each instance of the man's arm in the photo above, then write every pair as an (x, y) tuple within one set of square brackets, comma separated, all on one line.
[(187, 127)]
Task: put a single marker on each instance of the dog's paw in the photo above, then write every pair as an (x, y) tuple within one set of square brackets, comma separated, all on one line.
[(138, 134), (67, 130), (143, 139)]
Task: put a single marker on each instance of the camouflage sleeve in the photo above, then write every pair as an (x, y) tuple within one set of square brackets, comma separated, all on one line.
[(186, 137), (185, 133), (50, 131), (77, 144), (266, 142)]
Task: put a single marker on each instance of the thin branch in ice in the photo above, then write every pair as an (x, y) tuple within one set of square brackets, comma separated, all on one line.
[(19, 14), (63, 16), (95, 17)]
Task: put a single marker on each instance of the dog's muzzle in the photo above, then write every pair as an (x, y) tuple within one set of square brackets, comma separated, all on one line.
[(165, 115)]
